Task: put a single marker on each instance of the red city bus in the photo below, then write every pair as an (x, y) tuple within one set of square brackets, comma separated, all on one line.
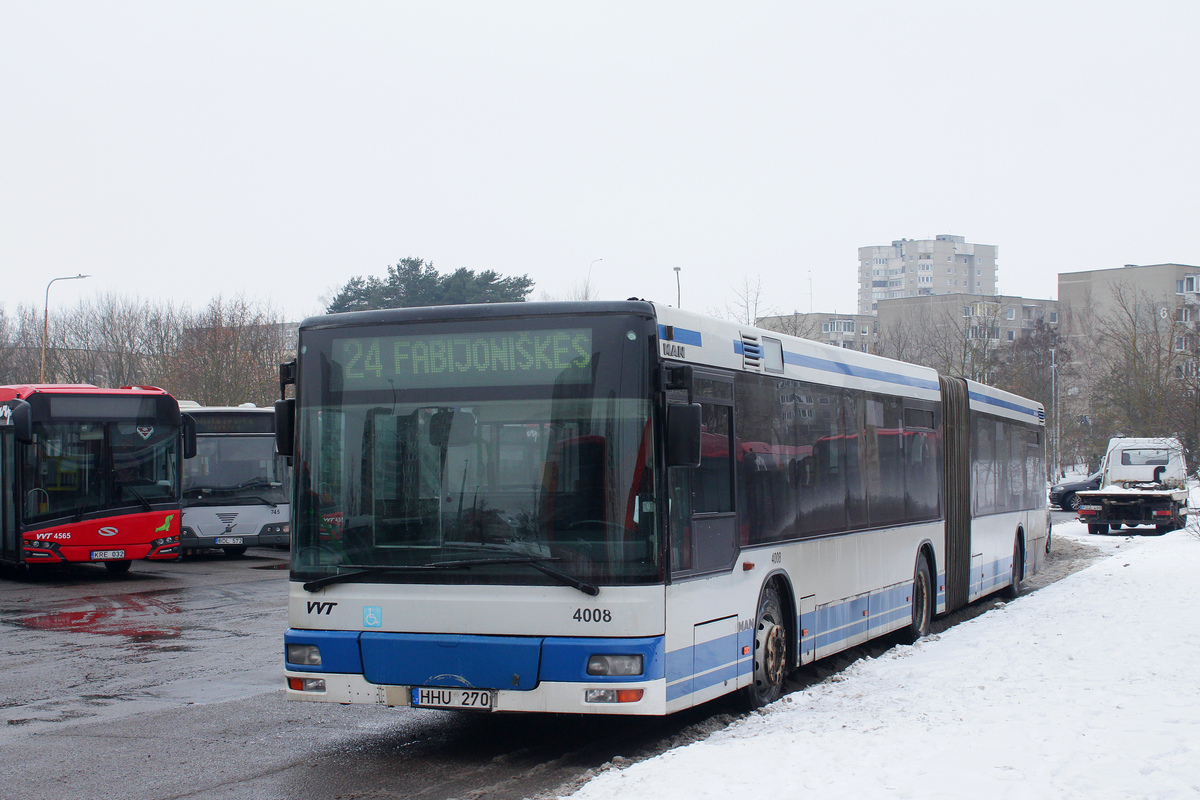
[(90, 474)]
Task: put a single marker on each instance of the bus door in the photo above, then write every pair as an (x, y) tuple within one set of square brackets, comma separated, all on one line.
[(704, 525), (10, 544)]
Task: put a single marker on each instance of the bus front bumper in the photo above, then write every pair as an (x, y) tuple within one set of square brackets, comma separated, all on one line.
[(547, 696)]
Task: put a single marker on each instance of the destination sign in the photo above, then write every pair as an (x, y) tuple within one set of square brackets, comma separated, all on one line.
[(507, 358), (234, 422)]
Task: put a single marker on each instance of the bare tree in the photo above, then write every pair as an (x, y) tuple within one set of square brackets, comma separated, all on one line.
[(902, 340), (748, 303), (966, 345), (230, 353), (804, 326), (1141, 354)]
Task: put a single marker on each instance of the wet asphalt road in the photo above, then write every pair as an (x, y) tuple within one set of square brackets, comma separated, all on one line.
[(166, 682)]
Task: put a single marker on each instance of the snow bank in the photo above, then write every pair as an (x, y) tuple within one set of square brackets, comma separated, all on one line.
[(1089, 688)]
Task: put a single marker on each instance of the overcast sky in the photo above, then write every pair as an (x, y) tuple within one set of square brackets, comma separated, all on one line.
[(180, 150)]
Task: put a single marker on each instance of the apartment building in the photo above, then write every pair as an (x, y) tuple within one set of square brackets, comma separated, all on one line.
[(947, 264)]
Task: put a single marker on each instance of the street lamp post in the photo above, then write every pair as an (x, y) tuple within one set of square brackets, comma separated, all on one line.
[(46, 318), (1056, 452), (678, 290), (587, 286)]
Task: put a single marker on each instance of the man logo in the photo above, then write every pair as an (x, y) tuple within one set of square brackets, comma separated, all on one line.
[(108, 531)]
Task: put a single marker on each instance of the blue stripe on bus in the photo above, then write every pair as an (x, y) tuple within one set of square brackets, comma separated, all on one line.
[(827, 365), (1008, 404), (681, 335), (867, 373), (695, 668), (690, 337)]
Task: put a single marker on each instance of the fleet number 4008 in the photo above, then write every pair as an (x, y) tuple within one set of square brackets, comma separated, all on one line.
[(592, 615)]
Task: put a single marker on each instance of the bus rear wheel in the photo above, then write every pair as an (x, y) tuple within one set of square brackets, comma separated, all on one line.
[(1018, 571), (770, 651), (922, 602), (117, 567)]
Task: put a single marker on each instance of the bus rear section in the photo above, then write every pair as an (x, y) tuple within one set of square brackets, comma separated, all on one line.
[(89, 475), (236, 488)]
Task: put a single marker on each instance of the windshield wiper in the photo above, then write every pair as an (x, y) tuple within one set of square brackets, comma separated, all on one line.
[(257, 497), (83, 507), (538, 564), (366, 569)]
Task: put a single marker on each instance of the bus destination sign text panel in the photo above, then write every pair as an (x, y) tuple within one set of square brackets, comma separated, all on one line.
[(507, 358)]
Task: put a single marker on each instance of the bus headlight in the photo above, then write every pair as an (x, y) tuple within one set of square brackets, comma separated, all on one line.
[(614, 666), (306, 655)]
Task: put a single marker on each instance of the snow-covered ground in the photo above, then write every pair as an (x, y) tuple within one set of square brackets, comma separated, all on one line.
[(1087, 688)]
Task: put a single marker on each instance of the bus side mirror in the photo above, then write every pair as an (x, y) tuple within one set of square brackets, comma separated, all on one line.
[(21, 419), (189, 435), (683, 435), (285, 425)]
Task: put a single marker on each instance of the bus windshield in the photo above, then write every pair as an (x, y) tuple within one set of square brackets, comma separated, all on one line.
[(229, 470), (466, 471), (77, 468)]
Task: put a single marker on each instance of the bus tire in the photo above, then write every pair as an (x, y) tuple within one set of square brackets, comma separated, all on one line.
[(1017, 574), (770, 650), (922, 601), (234, 552), (118, 567)]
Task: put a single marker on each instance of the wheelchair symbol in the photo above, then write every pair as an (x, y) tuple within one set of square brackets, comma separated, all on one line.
[(372, 616)]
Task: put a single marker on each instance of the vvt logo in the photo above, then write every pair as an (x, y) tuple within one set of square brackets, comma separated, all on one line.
[(317, 607), (108, 531)]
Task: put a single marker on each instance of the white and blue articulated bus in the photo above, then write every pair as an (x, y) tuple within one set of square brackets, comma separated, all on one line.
[(236, 491), (623, 508)]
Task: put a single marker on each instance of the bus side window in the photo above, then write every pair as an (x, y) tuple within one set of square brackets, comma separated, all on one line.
[(712, 482), (680, 518)]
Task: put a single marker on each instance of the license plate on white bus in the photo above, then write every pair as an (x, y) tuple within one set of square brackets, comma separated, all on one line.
[(471, 699), (101, 554), (229, 540)]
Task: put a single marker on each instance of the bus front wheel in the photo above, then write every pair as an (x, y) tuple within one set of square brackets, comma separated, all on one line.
[(770, 650), (117, 567)]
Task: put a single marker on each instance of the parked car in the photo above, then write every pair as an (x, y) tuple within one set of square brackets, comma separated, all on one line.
[(1063, 494)]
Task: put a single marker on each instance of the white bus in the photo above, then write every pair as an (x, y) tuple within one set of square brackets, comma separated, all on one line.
[(236, 491), (623, 508)]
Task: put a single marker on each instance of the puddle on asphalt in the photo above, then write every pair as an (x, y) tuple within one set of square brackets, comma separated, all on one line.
[(138, 618)]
